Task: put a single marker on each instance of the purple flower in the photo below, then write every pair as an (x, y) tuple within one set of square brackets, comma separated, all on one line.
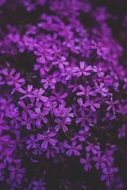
[(26, 121), (82, 135), (37, 185), (59, 97), (93, 104), (100, 161), (13, 78), (40, 115), (51, 105), (63, 112), (84, 119), (26, 108), (47, 139), (86, 162), (62, 123), (27, 92), (44, 53), (70, 72), (49, 82), (86, 91), (111, 105), (38, 94), (101, 89), (101, 49), (62, 62), (31, 142), (95, 149), (16, 174), (73, 149), (83, 70), (108, 175)]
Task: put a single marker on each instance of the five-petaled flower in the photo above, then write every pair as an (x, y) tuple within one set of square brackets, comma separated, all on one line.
[(40, 116), (47, 139), (86, 162), (83, 69), (73, 149)]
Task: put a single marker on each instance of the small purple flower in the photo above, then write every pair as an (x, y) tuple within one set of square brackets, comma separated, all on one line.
[(59, 97), (100, 161), (37, 185), (51, 106), (27, 92), (62, 62), (14, 78), (26, 121), (101, 89), (49, 82), (70, 72), (86, 162), (38, 94), (73, 149), (16, 174), (84, 119), (44, 53), (108, 175), (95, 149), (93, 104), (101, 49), (64, 112), (83, 70), (40, 115), (111, 105), (62, 123), (26, 108), (82, 135), (31, 142), (47, 139), (86, 91)]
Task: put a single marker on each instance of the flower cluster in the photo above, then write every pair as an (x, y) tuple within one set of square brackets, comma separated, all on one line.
[(63, 97)]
